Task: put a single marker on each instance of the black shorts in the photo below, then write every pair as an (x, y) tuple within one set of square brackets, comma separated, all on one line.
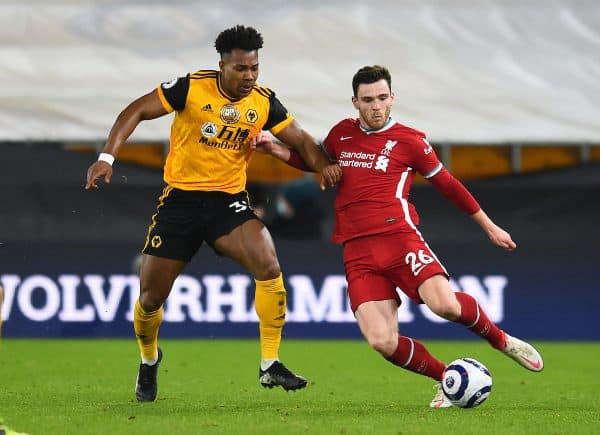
[(185, 219)]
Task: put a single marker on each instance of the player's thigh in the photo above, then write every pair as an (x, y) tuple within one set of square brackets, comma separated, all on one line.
[(366, 281), (378, 320), (157, 275), (250, 244), (437, 294)]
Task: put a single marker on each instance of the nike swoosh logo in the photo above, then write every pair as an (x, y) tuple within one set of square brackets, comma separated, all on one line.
[(345, 137), (535, 365)]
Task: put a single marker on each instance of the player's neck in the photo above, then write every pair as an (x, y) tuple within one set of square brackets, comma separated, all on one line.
[(364, 127)]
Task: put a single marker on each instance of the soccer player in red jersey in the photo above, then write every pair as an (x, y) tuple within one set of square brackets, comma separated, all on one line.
[(378, 227)]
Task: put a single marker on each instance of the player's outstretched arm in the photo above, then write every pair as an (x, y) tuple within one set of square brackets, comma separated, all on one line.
[(497, 235), (297, 138), (451, 188), (331, 173), (263, 142), (146, 107)]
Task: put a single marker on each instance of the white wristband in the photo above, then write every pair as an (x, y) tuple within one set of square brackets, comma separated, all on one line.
[(105, 157)]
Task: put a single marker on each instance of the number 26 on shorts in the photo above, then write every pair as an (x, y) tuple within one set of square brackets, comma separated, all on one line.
[(418, 261)]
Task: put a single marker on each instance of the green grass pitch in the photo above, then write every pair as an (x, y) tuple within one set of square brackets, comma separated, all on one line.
[(211, 387)]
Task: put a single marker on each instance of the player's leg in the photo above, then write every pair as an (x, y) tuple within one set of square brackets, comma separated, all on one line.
[(419, 273), (171, 242), (156, 279), (251, 245), (373, 273), (463, 308), (378, 322), (157, 275), (375, 266)]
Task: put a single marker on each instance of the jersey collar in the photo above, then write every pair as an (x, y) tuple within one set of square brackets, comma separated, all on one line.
[(222, 91), (390, 122)]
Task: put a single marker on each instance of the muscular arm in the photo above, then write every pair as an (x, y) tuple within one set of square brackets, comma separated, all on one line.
[(144, 108), (457, 193), (312, 157), (285, 154), (296, 137)]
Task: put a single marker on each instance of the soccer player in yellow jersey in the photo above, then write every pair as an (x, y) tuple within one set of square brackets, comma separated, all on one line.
[(217, 113)]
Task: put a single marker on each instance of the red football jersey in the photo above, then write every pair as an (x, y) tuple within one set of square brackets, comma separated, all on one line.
[(378, 169)]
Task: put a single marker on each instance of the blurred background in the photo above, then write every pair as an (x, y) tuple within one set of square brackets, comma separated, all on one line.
[(507, 91)]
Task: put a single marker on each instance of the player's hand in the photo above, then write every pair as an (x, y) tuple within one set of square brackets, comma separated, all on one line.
[(330, 175), (501, 238), (97, 171), (262, 143)]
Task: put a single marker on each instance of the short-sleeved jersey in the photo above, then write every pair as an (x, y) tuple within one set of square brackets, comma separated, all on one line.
[(211, 132), (378, 169)]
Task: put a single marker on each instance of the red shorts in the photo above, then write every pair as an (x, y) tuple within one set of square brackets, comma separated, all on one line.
[(376, 265)]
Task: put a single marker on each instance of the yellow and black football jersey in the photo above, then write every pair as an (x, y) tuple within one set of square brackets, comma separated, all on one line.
[(211, 133)]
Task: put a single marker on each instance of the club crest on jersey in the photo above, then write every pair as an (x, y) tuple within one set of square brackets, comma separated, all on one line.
[(229, 114), (251, 115), (389, 146), (429, 148), (156, 242), (209, 129)]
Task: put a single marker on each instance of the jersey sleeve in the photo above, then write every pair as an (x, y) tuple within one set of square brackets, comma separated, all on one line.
[(423, 157), (278, 118), (455, 191), (296, 161), (173, 94), (327, 146)]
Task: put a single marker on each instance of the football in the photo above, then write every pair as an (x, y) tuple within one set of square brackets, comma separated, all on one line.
[(467, 383)]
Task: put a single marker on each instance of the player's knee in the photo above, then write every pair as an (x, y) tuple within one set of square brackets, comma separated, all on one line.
[(269, 270), (149, 300), (448, 309), (382, 342)]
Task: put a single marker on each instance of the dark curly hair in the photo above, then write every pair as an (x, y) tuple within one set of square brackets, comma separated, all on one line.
[(246, 38), (370, 74)]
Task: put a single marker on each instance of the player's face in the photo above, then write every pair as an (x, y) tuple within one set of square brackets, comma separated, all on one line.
[(374, 103), (239, 71)]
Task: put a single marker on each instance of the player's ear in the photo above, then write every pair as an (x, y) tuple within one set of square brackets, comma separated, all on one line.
[(355, 102)]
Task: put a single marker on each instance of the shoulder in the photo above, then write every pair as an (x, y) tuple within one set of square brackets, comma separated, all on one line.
[(407, 131), (413, 142), (261, 91), (346, 128), (409, 135), (203, 74), (346, 125)]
